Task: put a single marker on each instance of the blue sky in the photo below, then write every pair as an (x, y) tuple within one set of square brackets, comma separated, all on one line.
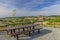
[(29, 7)]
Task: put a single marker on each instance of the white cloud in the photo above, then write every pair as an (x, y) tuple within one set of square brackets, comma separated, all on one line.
[(6, 9), (51, 10)]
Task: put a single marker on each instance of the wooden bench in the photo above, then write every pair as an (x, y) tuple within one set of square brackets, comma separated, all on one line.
[(26, 31)]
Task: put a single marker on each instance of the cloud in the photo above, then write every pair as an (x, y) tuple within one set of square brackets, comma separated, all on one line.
[(24, 8), (4, 10), (7, 6), (51, 10)]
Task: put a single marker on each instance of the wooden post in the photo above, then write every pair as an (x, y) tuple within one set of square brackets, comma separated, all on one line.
[(30, 28), (33, 28), (13, 30), (29, 33), (18, 30), (17, 37), (38, 30), (23, 29), (27, 28)]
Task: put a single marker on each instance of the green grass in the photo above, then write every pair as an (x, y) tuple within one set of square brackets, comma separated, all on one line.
[(55, 20), (18, 21)]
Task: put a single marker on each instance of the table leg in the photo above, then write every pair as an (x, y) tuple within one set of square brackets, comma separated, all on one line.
[(30, 28), (18, 30), (23, 29), (29, 33), (33, 28), (38, 30), (17, 37), (13, 30), (27, 28)]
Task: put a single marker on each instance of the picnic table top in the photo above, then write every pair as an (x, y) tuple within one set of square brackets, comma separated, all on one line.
[(18, 27)]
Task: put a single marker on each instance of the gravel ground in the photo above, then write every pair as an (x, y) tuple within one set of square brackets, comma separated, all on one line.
[(45, 34), (49, 34)]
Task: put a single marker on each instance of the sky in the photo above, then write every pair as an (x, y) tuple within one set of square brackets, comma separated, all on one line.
[(29, 7)]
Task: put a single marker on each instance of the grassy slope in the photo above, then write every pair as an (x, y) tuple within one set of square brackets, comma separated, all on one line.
[(54, 22)]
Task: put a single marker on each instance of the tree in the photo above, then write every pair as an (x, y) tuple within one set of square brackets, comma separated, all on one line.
[(14, 13)]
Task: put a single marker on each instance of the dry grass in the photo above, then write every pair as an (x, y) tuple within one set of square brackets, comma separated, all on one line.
[(1, 28)]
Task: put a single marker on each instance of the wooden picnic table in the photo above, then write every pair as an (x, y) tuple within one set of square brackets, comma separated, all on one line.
[(29, 27), (12, 29)]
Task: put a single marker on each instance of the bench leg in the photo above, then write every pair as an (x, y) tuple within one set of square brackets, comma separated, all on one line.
[(38, 30), (33, 31), (13, 31), (17, 37), (29, 33)]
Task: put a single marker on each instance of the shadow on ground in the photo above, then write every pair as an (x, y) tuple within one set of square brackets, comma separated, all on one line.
[(36, 35)]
